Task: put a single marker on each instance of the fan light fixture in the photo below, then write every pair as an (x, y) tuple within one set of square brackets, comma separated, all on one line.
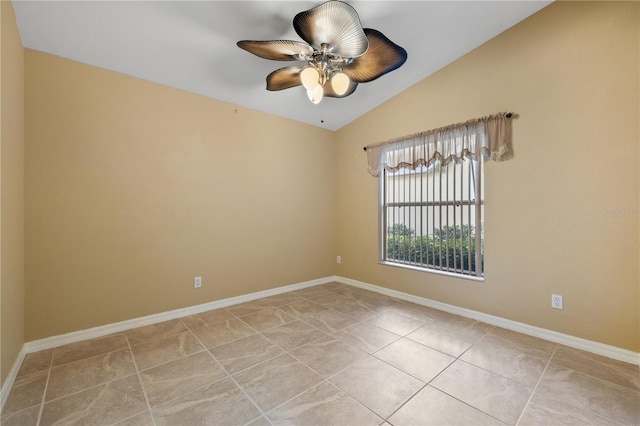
[(337, 51)]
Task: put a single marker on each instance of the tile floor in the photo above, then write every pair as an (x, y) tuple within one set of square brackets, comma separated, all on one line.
[(330, 354)]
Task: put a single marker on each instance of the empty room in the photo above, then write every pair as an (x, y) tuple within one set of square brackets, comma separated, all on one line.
[(319, 213)]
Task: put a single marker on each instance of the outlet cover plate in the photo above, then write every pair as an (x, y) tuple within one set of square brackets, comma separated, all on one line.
[(556, 301)]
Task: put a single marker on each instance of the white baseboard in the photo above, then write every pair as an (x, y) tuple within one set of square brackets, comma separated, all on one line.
[(11, 377), (91, 333), (542, 333), (104, 330)]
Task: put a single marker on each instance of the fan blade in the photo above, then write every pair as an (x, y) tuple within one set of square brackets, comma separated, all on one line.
[(335, 23), (284, 78), (382, 57), (328, 90), (278, 50)]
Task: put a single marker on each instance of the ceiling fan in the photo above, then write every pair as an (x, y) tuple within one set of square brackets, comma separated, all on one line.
[(338, 51)]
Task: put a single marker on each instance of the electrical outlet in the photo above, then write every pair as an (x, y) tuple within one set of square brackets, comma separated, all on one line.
[(197, 282), (556, 301), (339, 259)]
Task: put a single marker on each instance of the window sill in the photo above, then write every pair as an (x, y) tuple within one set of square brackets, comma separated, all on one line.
[(432, 271)]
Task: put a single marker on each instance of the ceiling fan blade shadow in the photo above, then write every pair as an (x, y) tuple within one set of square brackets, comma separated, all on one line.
[(335, 23), (328, 90), (382, 57), (284, 78), (278, 50)]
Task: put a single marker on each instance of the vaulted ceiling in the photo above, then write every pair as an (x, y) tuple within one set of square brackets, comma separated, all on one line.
[(191, 45)]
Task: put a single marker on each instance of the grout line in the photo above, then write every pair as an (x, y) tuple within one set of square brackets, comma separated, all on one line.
[(287, 352), (301, 393), (535, 388), (232, 379), (89, 388), (324, 379), (94, 355), (144, 392), (46, 386), (406, 402)]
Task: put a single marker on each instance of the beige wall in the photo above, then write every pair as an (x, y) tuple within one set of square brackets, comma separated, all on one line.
[(12, 287), (571, 73), (133, 188)]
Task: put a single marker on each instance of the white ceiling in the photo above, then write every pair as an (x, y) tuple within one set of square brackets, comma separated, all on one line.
[(191, 45)]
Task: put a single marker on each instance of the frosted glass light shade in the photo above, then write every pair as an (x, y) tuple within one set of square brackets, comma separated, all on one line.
[(309, 77), (340, 83), (316, 94)]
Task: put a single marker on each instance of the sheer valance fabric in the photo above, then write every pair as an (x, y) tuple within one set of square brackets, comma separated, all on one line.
[(489, 137)]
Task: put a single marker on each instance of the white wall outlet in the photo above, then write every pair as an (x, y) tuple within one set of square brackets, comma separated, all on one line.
[(338, 259), (197, 282), (556, 301)]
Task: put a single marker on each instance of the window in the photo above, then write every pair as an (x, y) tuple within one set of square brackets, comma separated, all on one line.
[(433, 217), (432, 194)]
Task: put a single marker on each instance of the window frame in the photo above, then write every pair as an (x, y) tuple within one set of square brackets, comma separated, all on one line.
[(478, 203)]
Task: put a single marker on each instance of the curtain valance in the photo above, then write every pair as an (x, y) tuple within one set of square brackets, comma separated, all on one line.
[(489, 137)]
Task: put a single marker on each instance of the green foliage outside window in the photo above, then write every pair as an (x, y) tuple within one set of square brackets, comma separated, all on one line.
[(448, 246)]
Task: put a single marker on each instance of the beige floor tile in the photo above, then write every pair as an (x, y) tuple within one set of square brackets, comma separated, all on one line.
[(360, 293), (495, 395), (267, 318), (323, 405), (142, 419), (223, 332), (260, 421), (396, 323), (27, 417), (443, 341), (207, 318), (329, 355), (26, 392), (36, 361), (548, 411), (89, 372), (330, 321), (377, 385), (618, 372), (466, 327), (167, 349), (273, 382), (335, 285), (302, 308), (248, 308), (340, 329), (529, 345), (343, 289), (331, 299), (590, 394), (355, 309), (282, 299), (380, 303), (176, 378), (220, 403), (415, 359), (101, 405), (432, 407), (152, 332), (311, 292), (420, 312), (367, 337), (88, 348), (293, 334), (244, 353), (491, 354)]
